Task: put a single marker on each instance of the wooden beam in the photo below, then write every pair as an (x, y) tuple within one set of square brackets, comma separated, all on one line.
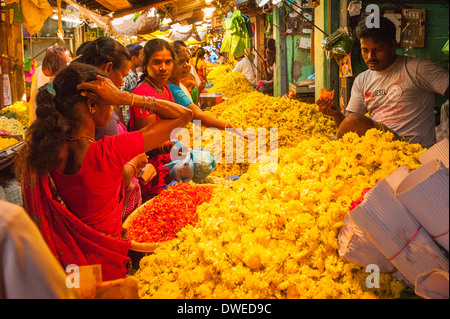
[(280, 77), (11, 55), (115, 5), (259, 45)]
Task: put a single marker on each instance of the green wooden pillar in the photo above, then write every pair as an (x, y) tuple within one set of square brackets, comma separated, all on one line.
[(280, 77), (326, 17)]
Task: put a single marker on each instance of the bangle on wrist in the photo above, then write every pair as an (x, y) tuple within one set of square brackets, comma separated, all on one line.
[(132, 99), (145, 103), (134, 166), (152, 105)]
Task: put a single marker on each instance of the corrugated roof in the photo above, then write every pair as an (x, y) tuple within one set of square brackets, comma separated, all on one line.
[(175, 8)]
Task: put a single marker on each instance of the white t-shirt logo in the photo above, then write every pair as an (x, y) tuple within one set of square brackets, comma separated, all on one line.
[(394, 92)]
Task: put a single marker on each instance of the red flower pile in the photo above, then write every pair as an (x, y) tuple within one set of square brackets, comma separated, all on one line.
[(165, 215)]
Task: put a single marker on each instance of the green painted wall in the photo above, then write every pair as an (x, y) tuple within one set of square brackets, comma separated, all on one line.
[(299, 63), (436, 35)]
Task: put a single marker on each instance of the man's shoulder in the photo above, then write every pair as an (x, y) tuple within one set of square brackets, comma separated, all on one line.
[(363, 76)]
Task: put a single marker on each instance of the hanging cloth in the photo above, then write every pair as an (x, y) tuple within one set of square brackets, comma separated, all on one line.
[(35, 12), (249, 26), (236, 38)]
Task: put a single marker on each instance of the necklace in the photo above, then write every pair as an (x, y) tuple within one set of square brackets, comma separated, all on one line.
[(154, 86), (73, 139)]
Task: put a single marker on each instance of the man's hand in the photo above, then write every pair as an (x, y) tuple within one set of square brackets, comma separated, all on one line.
[(328, 107)]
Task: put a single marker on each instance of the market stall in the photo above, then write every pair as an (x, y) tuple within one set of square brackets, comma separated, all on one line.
[(280, 232), (13, 124), (289, 211)]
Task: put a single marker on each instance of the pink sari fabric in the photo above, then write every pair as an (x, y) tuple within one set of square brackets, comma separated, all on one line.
[(71, 240), (133, 198), (159, 182)]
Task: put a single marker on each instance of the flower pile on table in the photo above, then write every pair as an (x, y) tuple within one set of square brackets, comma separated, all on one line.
[(160, 219), (232, 84), (275, 235), (11, 125), (294, 120), (18, 111), (7, 142), (219, 71)]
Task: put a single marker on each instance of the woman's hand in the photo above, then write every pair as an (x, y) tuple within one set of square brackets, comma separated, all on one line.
[(240, 132), (102, 90), (140, 161)]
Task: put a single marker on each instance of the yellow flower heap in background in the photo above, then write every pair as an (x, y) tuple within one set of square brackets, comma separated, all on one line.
[(232, 84), (219, 71), (295, 121), (18, 111), (7, 142), (275, 235), (11, 125)]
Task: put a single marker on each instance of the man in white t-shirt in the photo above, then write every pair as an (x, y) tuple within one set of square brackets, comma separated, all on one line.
[(245, 66), (396, 91)]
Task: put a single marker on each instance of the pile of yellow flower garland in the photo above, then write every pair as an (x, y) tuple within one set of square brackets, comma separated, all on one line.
[(19, 111), (232, 84), (11, 125), (295, 121), (7, 142), (219, 71), (275, 235)]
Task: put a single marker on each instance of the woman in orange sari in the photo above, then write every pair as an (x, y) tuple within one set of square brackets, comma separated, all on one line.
[(72, 185)]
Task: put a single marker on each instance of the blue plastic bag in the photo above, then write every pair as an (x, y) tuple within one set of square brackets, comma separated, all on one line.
[(204, 164), (196, 165)]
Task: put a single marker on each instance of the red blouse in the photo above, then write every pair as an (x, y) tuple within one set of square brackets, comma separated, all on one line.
[(147, 90), (95, 190)]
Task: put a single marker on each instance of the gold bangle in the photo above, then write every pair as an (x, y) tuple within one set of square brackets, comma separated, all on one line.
[(145, 103), (132, 99), (154, 104)]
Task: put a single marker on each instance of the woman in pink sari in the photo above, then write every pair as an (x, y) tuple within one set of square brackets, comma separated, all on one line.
[(72, 185), (157, 67)]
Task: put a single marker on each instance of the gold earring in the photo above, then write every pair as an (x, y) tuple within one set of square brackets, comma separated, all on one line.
[(91, 109)]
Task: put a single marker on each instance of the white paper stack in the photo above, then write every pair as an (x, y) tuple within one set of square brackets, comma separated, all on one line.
[(425, 194), (439, 151), (432, 284), (396, 177), (354, 246), (392, 229)]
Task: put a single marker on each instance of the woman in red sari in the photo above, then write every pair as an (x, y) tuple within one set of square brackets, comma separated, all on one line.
[(157, 67), (72, 185)]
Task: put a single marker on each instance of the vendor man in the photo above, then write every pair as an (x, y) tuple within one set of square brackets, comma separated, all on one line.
[(397, 91), (246, 67)]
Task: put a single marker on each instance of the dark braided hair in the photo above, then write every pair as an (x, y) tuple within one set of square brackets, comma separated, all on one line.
[(54, 116), (199, 54)]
